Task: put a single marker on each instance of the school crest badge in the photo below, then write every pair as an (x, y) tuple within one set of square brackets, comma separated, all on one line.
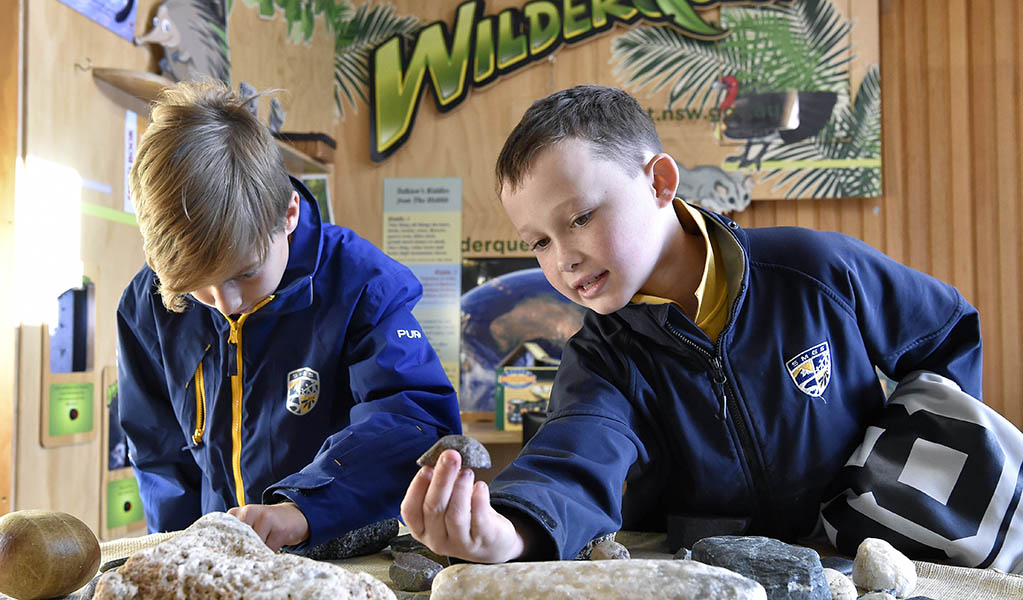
[(303, 390), (811, 369)]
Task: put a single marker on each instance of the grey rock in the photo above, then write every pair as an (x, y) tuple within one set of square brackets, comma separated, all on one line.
[(400, 595), (649, 579), (413, 572), (786, 571), (877, 596), (474, 455), (407, 543), (587, 550), (683, 554), (609, 550), (358, 542), (839, 563), (920, 598), (878, 566), (841, 585)]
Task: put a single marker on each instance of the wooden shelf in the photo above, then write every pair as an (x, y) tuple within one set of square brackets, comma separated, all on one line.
[(484, 432), (297, 162), (143, 85)]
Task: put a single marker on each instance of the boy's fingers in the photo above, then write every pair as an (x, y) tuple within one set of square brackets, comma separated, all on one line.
[(459, 513), (439, 492), (481, 509), (412, 505)]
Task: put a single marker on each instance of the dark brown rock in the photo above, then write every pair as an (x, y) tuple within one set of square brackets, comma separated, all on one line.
[(413, 572), (474, 455)]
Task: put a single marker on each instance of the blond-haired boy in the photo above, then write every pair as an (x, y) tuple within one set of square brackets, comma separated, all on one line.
[(260, 366), (723, 374)]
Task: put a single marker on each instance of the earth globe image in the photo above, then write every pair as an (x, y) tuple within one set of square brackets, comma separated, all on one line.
[(500, 315)]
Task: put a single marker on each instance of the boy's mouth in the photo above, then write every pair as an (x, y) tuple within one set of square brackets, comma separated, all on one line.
[(591, 284)]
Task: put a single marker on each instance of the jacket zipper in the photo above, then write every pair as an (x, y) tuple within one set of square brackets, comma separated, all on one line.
[(235, 338), (200, 402)]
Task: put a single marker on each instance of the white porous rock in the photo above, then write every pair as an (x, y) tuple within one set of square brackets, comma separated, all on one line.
[(649, 579), (842, 587), (878, 566), (219, 557)]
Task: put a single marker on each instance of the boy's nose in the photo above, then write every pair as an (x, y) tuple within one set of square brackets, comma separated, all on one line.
[(226, 300)]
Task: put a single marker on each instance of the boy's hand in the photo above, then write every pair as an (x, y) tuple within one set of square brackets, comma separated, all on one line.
[(277, 524), (446, 511)]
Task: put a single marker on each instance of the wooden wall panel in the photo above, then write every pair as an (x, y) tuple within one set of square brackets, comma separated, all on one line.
[(952, 152), (10, 68)]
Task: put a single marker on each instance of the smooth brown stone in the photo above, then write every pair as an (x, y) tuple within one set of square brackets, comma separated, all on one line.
[(605, 579), (609, 550)]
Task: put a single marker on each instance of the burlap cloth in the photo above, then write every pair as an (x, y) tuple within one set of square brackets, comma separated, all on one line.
[(940, 582)]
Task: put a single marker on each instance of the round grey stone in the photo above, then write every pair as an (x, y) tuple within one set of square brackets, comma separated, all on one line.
[(413, 572), (474, 455)]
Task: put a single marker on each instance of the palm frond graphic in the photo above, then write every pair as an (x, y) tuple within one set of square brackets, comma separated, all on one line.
[(356, 36)]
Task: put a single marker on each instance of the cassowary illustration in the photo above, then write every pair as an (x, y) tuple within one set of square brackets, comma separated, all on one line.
[(193, 34), (769, 117)]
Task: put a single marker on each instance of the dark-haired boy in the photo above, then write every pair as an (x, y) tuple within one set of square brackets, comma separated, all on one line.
[(723, 373)]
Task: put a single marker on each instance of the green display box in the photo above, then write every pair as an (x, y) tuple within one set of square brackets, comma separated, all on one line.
[(124, 505), (70, 408)]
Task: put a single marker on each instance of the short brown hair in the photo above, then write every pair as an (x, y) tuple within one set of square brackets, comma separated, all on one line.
[(209, 187), (610, 120)]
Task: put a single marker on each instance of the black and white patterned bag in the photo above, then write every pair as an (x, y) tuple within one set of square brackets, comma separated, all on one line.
[(939, 476)]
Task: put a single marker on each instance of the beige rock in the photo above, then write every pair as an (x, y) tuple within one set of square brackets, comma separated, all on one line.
[(605, 579), (878, 566), (220, 557), (842, 587), (609, 550)]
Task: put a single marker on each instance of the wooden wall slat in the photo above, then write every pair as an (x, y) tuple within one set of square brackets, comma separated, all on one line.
[(893, 51), (937, 102), (964, 275), (10, 60)]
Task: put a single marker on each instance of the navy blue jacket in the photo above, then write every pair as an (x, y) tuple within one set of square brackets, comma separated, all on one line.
[(339, 391), (753, 425)]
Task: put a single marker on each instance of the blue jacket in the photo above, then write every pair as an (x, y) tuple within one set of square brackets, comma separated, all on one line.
[(753, 425), (339, 390)]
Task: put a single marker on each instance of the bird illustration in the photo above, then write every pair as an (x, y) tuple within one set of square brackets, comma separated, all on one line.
[(193, 34), (766, 118)]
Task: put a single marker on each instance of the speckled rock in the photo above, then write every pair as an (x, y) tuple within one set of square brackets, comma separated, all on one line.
[(474, 455), (587, 550), (839, 563), (786, 571), (609, 550), (878, 566), (604, 579), (683, 554), (358, 542), (411, 572), (841, 586)]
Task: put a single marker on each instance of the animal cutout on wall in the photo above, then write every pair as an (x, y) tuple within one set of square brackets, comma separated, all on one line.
[(193, 35), (770, 117), (714, 188)]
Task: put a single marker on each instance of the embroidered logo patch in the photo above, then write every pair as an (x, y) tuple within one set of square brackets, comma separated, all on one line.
[(811, 369), (303, 390)]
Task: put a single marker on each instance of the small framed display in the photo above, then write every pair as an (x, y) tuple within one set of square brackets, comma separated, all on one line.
[(319, 185)]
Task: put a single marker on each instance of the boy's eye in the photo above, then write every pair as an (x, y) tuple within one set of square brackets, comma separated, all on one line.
[(541, 244), (248, 275), (581, 220)]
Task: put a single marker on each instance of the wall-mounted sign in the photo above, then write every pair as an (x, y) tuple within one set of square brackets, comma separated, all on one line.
[(477, 48)]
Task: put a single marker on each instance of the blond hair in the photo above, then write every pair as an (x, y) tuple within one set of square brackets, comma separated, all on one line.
[(209, 187)]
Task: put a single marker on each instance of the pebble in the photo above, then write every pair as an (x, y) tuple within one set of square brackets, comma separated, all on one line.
[(587, 550), (407, 543), (842, 588), (879, 566), (474, 455), (877, 596), (412, 572), (609, 550)]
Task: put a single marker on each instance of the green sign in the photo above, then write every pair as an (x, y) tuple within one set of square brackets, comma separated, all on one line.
[(124, 506), (70, 408)]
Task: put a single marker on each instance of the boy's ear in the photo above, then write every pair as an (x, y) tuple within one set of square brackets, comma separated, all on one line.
[(292, 213), (664, 174)]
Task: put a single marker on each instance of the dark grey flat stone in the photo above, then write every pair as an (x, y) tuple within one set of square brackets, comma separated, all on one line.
[(358, 542), (787, 572), (474, 455), (412, 572)]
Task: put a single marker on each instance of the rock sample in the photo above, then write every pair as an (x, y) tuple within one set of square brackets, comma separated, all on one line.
[(839, 563), (407, 543), (609, 550), (587, 550), (218, 556), (878, 566), (45, 554), (785, 571), (412, 572), (877, 596), (474, 455), (841, 586), (358, 542), (605, 579)]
